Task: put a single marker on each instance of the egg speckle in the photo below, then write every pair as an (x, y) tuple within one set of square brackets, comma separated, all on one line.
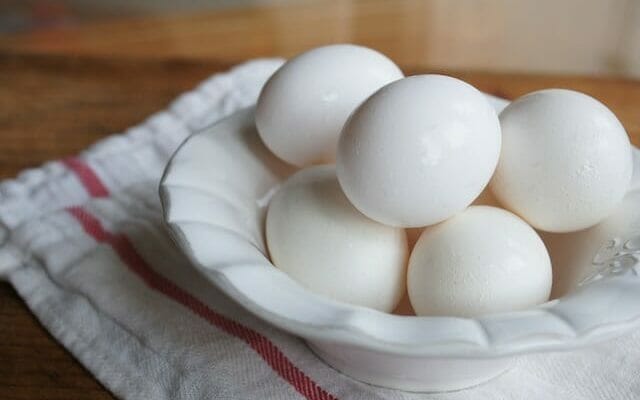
[(320, 240), (483, 260), (565, 162), (418, 150), (304, 105)]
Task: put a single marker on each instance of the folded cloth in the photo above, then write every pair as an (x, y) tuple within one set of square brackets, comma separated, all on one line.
[(83, 244)]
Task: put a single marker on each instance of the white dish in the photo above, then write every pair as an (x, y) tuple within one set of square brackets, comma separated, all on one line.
[(215, 192)]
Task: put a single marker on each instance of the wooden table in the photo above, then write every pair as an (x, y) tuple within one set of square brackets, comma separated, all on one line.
[(53, 104)]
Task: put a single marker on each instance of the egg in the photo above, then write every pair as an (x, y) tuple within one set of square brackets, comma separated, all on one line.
[(303, 106), (566, 160), (418, 151), (483, 260), (320, 240)]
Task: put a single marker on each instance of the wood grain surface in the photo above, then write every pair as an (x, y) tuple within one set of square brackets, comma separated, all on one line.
[(52, 106), (569, 36)]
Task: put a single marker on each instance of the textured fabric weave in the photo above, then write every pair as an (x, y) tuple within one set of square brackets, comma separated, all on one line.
[(83, 244)]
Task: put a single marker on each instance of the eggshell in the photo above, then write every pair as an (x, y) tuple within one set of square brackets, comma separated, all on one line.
[(320, 240), (587, 255), (418, 151), (565, 162), (483, 260), (304, 105)]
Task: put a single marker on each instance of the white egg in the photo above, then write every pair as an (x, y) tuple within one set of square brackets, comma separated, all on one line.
[(320, 240), (303, 106), (418, 151), (565, 162), (483, 260)]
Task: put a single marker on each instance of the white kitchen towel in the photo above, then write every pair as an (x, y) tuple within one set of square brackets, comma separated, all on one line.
[(83, 243)]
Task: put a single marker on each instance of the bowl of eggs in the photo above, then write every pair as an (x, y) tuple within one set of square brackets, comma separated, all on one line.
[(416, 233)]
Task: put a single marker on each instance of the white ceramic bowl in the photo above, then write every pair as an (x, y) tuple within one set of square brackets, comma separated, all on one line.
[(215, 192)]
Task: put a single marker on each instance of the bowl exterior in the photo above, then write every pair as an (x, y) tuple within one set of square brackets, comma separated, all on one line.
[(413, 374)]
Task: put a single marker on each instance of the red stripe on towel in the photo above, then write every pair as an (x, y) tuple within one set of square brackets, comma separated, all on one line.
[(91, 182), (268, 351)]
